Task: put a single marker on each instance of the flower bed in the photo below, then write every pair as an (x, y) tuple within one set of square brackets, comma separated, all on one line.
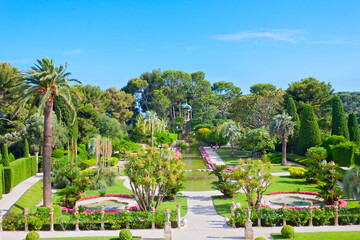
[(342, 203), (106, 195)]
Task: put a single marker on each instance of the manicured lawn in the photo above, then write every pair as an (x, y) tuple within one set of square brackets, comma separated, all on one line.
[(278, 168), (282, 183), (353, 203), (286, 183), (322, 235), (172, 205), (224, 153), (117, 188), (87, 238), (30, 198)]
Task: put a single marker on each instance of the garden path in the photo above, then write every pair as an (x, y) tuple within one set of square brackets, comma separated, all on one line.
[(9, 199), (214, 157)]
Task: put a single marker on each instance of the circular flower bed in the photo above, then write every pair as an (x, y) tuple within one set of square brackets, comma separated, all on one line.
[(342, 203), (133, 208)]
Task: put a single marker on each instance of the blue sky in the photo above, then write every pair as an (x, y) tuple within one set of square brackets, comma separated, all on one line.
[(106, 43)]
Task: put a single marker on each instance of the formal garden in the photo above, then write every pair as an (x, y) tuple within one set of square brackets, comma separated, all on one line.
[(144, 157)]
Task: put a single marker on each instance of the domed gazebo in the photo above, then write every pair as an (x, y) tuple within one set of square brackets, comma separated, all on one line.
[(187, 110)]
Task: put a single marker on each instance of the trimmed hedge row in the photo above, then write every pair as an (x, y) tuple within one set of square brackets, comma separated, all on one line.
[(18, 171), (91, 162), (343, 153), (2, 181)]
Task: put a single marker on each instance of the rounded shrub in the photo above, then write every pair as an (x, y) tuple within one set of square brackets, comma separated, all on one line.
[(287, 231), (32, 236), (125, 234), (259, 238)]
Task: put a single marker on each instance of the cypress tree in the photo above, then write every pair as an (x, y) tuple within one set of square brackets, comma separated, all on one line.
[(353, 126), (5, 155), (26, 148), (292, 111), (309, 134), (338, 126)]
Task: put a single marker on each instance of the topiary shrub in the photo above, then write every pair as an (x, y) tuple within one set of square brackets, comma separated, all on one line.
[(58, 153), (287, 231), (259, 238), (309, 134), (343, 153), (11, 157), (32, 236), (125, 234)]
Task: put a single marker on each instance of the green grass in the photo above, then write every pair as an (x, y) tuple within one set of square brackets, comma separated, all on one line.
[(117, 188), (172, 205), (322, 235), (87, 238), (30, 198), (278, 168), (282, 183), (353, 204), (225, 153)]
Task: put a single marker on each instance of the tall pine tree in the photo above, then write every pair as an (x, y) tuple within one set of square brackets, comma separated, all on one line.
[(309, 135), (292, 112), (26, 148), (338, 124), (353, 126)]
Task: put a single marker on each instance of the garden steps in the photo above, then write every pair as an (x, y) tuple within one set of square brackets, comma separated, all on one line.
[(9, 199)]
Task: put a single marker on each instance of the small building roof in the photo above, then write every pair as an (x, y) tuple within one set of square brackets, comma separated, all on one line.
[(185, 106)]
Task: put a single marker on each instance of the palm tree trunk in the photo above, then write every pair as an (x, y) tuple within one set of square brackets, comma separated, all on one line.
[(47, 152), (283, 161), (232, 148)]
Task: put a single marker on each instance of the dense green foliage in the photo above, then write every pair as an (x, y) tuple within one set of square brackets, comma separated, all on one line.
[(338, 125), (315, 93), (309, 135), (354, 130)]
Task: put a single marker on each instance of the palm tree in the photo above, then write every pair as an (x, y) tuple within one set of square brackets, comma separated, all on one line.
[(153, 122), (45, 81), (231, 130), (282, 126)]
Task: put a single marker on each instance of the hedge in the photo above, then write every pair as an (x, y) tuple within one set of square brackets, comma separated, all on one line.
[(357, 158), (18, 171), (87, 163), (114, 161), (343, 153), (1, 181)]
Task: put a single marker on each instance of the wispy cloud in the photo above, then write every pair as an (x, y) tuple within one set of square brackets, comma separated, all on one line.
[(73, 52), (16, 61), (284, 35)]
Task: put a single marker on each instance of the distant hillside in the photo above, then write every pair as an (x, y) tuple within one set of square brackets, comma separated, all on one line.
[(351, 102)]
